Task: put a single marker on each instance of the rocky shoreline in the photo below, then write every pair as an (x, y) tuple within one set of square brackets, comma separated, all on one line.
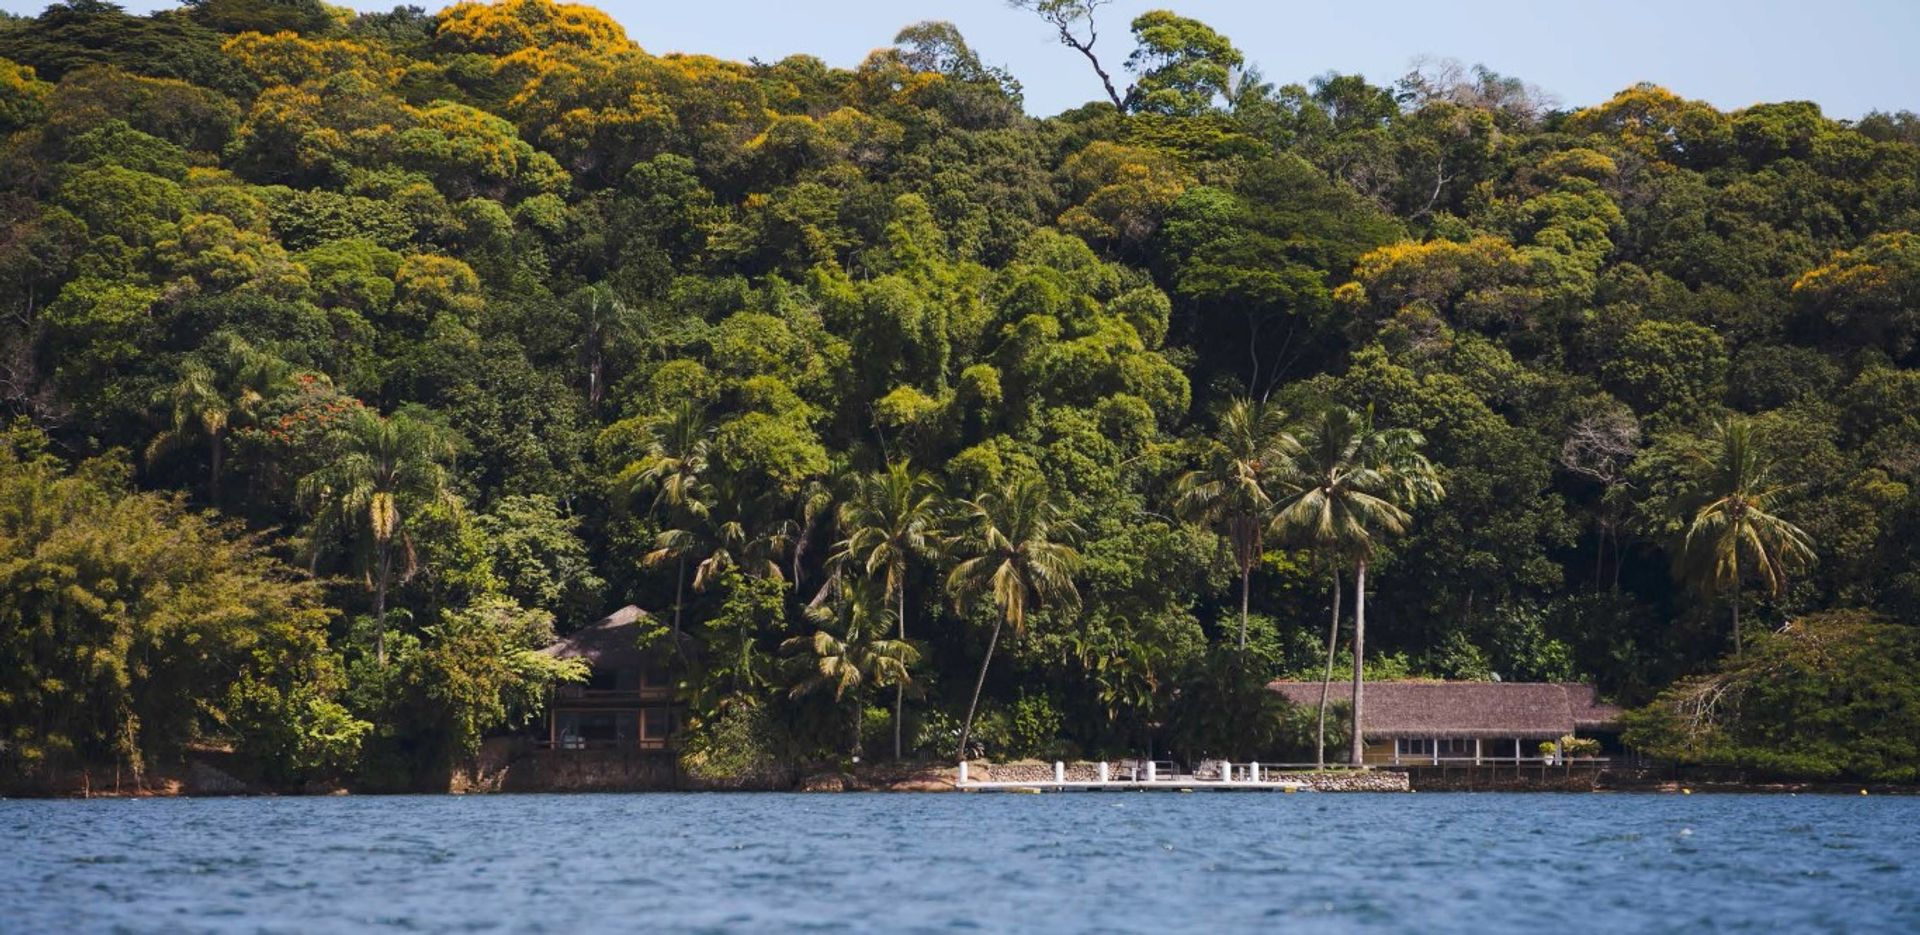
[(611, 772)]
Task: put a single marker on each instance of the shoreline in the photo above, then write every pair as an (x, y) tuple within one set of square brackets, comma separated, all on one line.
[(200, 780)]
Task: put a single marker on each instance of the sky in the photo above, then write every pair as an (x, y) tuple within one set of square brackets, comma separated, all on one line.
[(1849, 56)]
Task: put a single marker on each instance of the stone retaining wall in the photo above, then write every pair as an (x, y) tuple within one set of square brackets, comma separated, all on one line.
[(1371, 780)]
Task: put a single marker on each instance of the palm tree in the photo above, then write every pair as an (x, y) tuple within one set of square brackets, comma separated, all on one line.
[(849, 648), (603, 319), (1016, 556), (1354, 482), (674, 470), (1734, 533), (892, 516), (1230, 493), (206, 403), (386, 471)]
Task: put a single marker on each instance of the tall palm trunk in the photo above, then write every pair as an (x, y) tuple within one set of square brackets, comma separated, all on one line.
[(1359, 656), (383, 569), (213, 475), (855, 722), (1326, 681), (1246, 578), (900, 689), (679, 589), (966, 729), (1736, 603)]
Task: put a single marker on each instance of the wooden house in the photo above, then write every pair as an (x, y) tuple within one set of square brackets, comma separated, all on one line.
[(1472, 723), (628, 701)]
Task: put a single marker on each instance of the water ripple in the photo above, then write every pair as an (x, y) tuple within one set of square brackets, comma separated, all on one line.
[(1057, 863)]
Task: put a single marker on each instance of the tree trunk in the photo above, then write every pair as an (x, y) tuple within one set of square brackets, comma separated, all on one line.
[(900, 689), (1737, 648), (1599, 555), (966, 729), (857, 722), (213, 475), (679, 589), (1246, 578), (1326, 681), (382, 565), (1359, 657), (593, 381)]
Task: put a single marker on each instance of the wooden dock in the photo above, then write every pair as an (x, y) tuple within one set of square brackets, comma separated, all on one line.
[(1180, 784), (1223, 778)]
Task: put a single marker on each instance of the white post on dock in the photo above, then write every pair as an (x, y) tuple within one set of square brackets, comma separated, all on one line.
[(963, 771), (1059, 771), (1253, 771), (1103, 770), (1150, 770)]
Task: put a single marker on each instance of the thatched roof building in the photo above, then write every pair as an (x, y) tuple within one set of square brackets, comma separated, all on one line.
[(1475, 722), (627, 702), (1469, 709), (611, 641)]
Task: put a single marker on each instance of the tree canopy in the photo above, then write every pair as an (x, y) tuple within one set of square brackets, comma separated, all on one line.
[(353, 356)]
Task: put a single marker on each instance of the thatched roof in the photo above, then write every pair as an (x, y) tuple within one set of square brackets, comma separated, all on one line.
[(611, 640), (1468, 709)]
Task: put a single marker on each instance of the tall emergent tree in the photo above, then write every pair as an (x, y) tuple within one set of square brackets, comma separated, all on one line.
[(210, 399), (1230, 493), (1734, 533), (674, 470), (387, 469), (1356, 483), (849, 649), (892, 518), (1017, 555)]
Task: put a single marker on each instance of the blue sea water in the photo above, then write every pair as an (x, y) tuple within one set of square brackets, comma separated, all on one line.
[(1108, 862)]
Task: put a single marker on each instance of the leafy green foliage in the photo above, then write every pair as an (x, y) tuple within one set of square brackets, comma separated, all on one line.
[(1829, 696), (491, 313)]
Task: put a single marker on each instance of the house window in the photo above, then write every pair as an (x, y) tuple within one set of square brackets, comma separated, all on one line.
[(1415, 746), (579, 730), (1456, 748)]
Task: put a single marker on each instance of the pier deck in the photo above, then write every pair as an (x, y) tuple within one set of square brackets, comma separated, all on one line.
[(1179, 784)]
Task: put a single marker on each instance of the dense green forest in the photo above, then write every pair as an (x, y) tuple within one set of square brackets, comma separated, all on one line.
[(349, 358)]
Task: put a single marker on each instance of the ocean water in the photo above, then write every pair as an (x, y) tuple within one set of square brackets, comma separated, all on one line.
[(1105, 862)]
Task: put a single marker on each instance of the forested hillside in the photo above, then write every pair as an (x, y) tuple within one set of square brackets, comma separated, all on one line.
[(350, 358)]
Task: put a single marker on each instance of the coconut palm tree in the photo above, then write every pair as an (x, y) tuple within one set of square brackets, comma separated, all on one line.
[(1354, 483), (720, 532), (892, 517), (1014, 540), (387, 470), (1734, 533), (1230, 493), (849, 648), (604, 319), (207, 401), (674, 470)]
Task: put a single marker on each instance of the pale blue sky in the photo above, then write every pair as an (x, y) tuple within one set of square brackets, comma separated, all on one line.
[(1850, 56)]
